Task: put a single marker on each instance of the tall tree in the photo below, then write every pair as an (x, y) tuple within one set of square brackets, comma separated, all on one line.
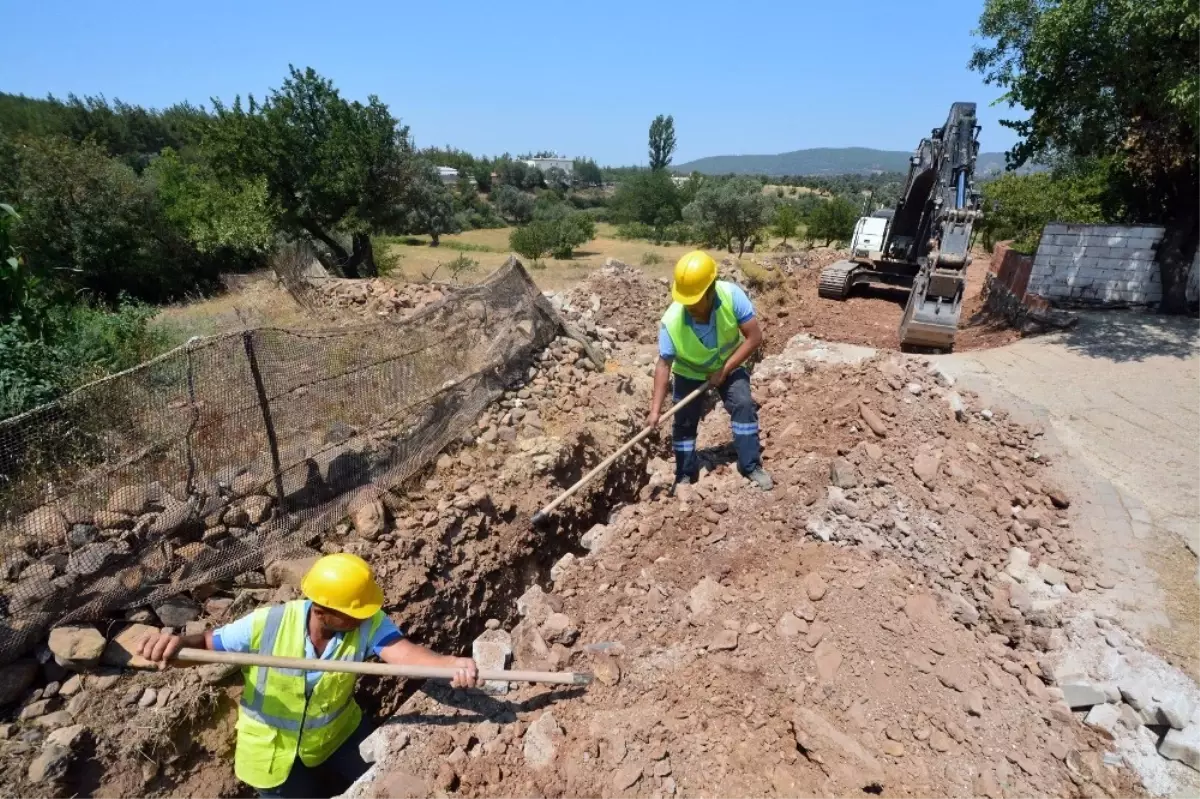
[(334, 168), (662, 141), (1103, 78)]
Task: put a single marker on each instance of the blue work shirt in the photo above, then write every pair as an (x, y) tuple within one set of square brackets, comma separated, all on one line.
[(235, 637), (743, 310)]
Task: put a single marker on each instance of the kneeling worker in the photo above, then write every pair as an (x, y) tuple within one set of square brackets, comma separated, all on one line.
[(298, 731), (705, 336)]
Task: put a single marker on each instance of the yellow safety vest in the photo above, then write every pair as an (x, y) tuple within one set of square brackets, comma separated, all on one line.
[(276, 721), (692, 359)]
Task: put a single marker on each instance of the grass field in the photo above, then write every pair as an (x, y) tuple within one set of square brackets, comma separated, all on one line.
[(417, 260), (792, 191), (255, 300)]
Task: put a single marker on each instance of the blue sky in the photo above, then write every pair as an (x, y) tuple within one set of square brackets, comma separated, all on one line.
[(578, 78)]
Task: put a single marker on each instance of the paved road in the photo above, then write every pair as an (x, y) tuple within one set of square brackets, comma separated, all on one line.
[(1122, 392)]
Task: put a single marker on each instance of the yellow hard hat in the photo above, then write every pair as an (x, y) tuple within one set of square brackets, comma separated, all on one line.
[(694, 273), (343, 582)]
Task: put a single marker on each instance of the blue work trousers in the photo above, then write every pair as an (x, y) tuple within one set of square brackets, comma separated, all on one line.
[(743, 415)]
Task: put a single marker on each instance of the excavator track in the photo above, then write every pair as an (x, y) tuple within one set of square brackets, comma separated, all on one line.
[(837, 280)]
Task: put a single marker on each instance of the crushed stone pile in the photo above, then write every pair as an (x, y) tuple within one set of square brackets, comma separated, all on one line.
[(378, 297)]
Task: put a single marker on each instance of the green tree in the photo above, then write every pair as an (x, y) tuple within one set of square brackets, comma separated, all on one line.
[(729, 211), (564, 228), (662, 142), (333, 167), (833, 220), (648, 197), (234, 218), (532, 241), (429, 205), (514, 205), (586, 173), (786, 221), (557, 180), (12, 272), (89, 223), (483, 178), (1116, 79), (1017, 207)]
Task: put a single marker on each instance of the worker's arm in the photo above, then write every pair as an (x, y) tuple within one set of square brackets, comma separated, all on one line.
[(752, 333), (662, 382), (160, 647), (406, 653)]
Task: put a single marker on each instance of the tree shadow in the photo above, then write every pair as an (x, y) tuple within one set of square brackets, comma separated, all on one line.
[(1123, 336)]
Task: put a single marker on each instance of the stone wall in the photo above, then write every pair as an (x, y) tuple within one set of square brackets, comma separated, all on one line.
[(1098, 265)]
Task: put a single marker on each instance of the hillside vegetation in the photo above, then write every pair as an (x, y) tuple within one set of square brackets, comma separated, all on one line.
[(822, 161)]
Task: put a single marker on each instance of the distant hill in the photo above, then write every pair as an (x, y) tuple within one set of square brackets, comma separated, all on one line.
[(821, 161)]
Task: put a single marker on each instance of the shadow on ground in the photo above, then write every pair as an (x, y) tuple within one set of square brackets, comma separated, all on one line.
[(1131, 336)]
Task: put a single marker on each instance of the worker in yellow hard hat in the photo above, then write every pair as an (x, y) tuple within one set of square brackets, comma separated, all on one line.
[(298, 732), (705, 336)]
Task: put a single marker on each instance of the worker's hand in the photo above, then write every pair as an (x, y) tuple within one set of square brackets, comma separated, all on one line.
[(717, 379), (159, 648), (653, 417), (467, 674)]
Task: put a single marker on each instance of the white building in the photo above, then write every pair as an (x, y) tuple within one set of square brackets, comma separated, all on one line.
[(448, 174), (544, 164)]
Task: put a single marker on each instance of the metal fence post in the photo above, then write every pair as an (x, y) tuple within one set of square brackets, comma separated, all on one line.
[(265, 406)]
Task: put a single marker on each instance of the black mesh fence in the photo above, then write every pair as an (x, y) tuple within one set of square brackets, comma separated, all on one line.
[(232, 450)]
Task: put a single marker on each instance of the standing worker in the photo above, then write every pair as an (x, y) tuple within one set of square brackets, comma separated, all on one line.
[(298, 732), (705, 336)]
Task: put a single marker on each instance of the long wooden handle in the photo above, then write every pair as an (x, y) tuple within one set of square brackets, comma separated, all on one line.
[(190, 655), (604, 464)]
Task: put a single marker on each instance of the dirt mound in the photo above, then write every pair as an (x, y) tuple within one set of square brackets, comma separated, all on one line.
[(788, 304), (875, 624)]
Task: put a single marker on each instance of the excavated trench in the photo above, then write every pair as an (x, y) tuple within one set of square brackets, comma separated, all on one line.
[(468, 604)]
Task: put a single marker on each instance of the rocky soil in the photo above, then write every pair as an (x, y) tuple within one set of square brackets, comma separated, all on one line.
[(891, 619), (885, 621)]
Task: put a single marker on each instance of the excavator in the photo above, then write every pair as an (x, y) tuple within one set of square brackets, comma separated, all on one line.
[(924, 242)]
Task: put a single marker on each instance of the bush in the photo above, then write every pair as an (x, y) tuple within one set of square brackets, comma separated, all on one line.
[(461, 265), (680, 233), (650, 258), (635, 230), (75, 344), (531, 241), (557, 231)]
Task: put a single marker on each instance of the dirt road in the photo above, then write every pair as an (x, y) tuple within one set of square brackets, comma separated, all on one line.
[(1121, 393)]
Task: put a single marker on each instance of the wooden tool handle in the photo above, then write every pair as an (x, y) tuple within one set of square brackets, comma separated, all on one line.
[(189, 655), (604, 464)]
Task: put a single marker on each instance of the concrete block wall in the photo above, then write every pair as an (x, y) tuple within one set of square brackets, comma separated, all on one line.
[(1098, 264)]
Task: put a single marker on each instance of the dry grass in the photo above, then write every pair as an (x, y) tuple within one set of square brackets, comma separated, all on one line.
[(254, 301), (419, 260), (257, 300), (792, 191)]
